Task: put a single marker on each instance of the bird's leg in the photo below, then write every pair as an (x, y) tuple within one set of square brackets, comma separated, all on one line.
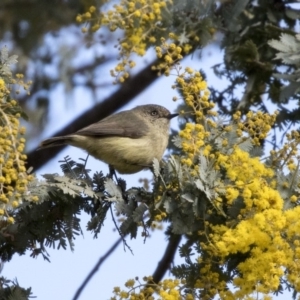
[(112, 172)]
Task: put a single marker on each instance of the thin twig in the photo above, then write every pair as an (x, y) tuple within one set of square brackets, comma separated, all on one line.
[(119, 231), (96, 268)]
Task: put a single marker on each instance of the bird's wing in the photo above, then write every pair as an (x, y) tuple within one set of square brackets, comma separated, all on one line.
[(116, 125)]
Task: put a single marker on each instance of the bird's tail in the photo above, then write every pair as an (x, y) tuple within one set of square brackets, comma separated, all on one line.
[(55, 141)]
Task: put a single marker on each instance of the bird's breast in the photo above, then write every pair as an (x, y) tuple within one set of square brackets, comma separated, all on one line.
[(127, 155)]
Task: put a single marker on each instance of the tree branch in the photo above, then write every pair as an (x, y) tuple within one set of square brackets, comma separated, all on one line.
[(167, 258)]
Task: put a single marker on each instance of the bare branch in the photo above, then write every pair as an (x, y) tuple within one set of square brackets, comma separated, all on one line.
[(167, 258), (96, 268)]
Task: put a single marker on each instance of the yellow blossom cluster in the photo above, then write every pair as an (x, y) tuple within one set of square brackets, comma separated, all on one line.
[(193, 141), (271, 241), (138, 19), (258, 230), (263, 231), (141, 22), (288, 155), (195, 94), (19, 81), (257, 125), (159, 215), (89, 16), (168, 289), (266, 233), (13, 176), (209, 280), (170, 54), (196, 137), (248, 177)]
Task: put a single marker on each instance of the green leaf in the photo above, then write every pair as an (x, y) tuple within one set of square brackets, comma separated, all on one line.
[(138, 214), (188, 197), (177, 141), (114, 191), (293, 14), (156, 167), (5, 63), (288, 48)]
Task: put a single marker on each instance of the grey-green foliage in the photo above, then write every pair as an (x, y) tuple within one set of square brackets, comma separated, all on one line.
[(114, 192), (254, 33), (288, 51), (54, 182), (156, 167), (54, 220), (6, 63), (288, 47), (196, 194), (190, 17), (11, 290), (287, 184), (187, 203)]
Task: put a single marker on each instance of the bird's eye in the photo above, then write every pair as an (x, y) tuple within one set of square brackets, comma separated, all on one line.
[(154, 113)]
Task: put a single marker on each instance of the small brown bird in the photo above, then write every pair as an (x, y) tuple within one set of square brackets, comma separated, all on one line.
[(128, 141)]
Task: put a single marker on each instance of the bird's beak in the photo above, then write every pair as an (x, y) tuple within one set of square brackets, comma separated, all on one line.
[(171, 116)]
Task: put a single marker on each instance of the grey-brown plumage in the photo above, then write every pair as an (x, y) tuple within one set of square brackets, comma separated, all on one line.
[(128, 140)]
